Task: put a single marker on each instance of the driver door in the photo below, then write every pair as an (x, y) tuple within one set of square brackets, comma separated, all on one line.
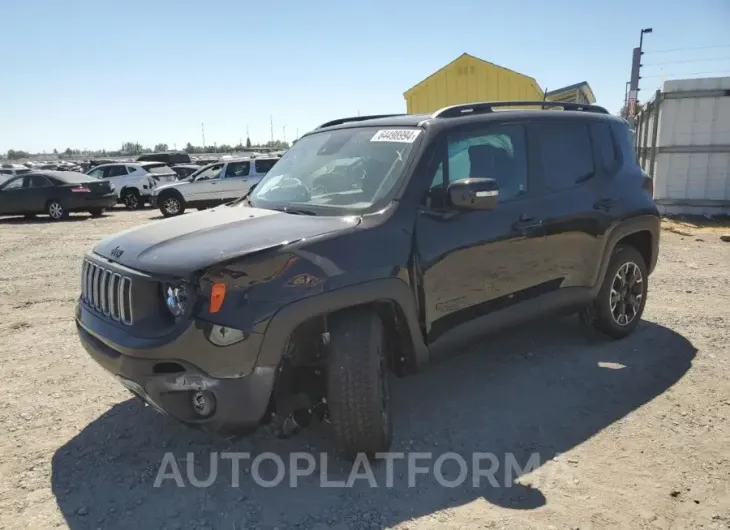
[(11, 197), (205, 185)]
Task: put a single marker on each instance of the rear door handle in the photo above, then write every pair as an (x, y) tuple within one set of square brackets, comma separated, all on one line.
[(604, 204)]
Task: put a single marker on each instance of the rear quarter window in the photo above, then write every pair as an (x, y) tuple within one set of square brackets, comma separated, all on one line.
[(566, 154), (605, 146)]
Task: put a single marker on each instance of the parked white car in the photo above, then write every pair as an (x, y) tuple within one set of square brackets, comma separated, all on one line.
[(211, 185), (8, 171), (134, 181)]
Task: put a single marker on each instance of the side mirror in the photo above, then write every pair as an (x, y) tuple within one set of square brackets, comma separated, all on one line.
[(473, 194)]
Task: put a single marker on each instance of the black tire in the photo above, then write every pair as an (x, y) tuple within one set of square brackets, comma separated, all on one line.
[(171, 204), (55, 210), (97, 212), (601, 315), (357, 383), (131, 199)]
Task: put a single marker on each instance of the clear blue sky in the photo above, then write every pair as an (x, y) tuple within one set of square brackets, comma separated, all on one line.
[(97, 73)]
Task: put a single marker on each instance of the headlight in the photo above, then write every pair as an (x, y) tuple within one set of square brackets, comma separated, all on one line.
[(176, 298)]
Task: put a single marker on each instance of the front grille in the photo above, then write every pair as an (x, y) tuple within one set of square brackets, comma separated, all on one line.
[(107, 292)]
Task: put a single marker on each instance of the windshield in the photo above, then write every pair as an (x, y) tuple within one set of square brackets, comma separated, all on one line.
[(347, 169)]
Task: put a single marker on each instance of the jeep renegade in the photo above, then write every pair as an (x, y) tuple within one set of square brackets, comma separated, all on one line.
[(376, 244)]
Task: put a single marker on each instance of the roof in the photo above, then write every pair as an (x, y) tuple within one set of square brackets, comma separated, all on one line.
[(426, 120), (64, 176), (472, 57), (583, 86)]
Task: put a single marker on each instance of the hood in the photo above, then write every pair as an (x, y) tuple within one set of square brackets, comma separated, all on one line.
[(181, 245)]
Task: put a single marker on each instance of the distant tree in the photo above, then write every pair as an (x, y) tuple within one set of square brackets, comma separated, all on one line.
[(248, 143), (55, 152), (225, 148), (159, 148), (68, 151), (15, 155)]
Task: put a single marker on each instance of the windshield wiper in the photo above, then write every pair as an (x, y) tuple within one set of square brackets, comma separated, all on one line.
[(294, 211)]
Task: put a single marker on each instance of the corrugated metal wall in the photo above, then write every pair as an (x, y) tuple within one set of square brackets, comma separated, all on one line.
[(467, 80), (688, 152)]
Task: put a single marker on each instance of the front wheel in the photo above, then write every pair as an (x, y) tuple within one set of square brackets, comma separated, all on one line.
[(620, 303), (171, 205), (357, 383)]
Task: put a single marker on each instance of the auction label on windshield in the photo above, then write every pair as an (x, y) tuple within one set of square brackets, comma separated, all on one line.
[(407, 136)]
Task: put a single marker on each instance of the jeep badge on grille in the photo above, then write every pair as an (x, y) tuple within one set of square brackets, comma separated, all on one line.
[(116, 252)]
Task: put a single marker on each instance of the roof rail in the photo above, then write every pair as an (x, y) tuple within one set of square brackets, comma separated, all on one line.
[(469, 109), (340, 121)]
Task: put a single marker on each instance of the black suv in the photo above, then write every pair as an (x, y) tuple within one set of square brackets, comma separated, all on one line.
[(376, 244)]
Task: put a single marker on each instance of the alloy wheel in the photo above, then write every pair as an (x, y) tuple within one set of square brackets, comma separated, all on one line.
[(172, 206), (627, 293), (55, 210)]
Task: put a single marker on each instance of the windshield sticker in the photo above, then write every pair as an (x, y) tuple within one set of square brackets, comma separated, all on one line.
[(406, 136)]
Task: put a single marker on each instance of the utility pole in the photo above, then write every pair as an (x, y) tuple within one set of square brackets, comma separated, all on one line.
[(626, 98), (202, 130), (635, 72)]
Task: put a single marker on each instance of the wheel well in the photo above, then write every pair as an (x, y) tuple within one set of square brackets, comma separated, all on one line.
[(301, 367), (129, 189), (165, 193), (641, 241)]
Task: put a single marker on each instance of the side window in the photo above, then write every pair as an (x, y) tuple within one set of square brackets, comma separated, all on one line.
[(97, 173), (603, 139), (238, 169), (498, 152), (116, 171), (566, 154), (211, 173), (131, 170), (264, 166), (39, 181)]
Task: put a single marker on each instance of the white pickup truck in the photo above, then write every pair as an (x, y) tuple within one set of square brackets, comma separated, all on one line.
[(211, 185), (134, 181)]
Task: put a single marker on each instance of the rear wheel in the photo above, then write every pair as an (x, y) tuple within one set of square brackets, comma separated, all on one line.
[(55, 210), (357, 383), (131, 199), (96, 212), (171, 204), (620, 303)]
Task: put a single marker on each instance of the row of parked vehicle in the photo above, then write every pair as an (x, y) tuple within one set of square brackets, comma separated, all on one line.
[(170, 181)]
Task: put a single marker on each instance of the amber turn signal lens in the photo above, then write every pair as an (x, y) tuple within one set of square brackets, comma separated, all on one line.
[(217, 295)]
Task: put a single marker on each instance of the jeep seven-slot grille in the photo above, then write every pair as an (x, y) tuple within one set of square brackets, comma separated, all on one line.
[(107, 291)]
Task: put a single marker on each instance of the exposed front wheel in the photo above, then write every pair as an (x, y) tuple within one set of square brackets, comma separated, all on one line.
[(357, 383), (131, 199), (171, 205), (620, 303), (56, 211)]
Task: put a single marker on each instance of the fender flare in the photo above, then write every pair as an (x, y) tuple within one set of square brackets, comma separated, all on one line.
[(650, 223), (393, 290), (172, 191)]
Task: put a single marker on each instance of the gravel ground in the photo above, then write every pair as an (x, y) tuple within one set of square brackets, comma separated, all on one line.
[(630, 434)]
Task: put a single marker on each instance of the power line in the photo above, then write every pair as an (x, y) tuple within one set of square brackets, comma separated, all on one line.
[(688, 74), (685, 61), (690, 48)]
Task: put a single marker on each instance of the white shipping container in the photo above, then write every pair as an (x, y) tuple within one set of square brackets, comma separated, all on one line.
[(688, 153)]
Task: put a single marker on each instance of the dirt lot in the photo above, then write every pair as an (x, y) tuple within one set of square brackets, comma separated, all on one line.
[(630, 434)]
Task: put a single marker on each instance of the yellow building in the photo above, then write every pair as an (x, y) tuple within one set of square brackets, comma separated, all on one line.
[(468, 79)]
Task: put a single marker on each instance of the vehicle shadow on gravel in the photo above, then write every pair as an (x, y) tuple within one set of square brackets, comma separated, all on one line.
[(534, 392)]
